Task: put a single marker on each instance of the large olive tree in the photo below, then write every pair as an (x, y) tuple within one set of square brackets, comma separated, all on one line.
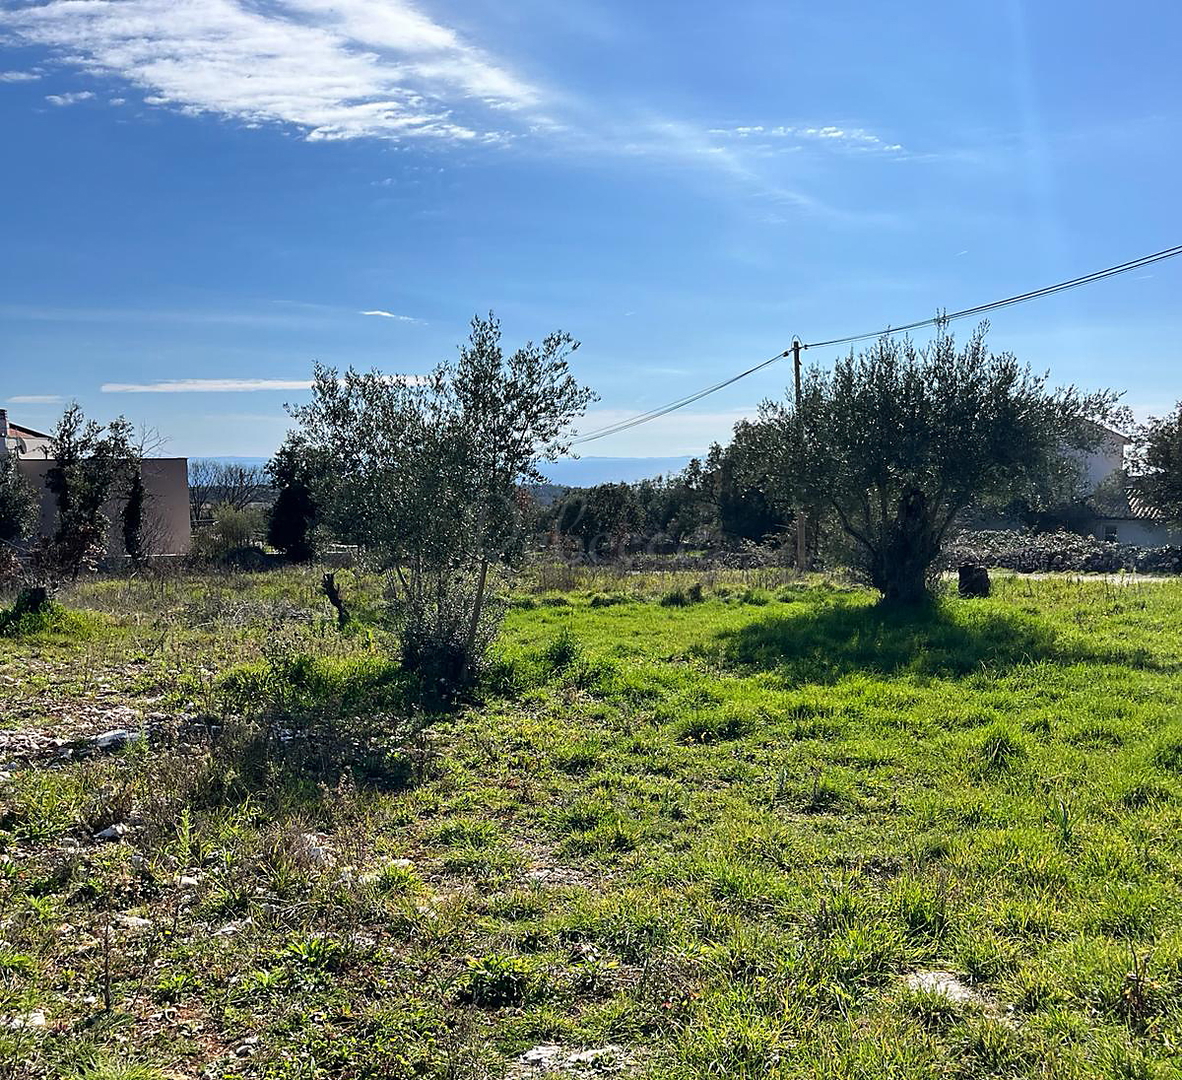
[(898, 440), (425, 474)]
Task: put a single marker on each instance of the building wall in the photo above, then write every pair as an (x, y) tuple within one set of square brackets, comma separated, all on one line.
[(166, 509), (1106, 459), (1138, 533)]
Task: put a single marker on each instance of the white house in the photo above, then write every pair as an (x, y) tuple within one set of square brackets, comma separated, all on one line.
[(1126, 516)]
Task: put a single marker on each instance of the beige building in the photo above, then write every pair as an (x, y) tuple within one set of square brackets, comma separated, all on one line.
[(166, 490)]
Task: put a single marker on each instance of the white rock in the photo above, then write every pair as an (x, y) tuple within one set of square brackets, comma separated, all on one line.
[(233, 927), (186, 882), (114, 740), (132, 922), (312, 848), (33, 1019), (541, 1055), (944, 983), (113, 832)]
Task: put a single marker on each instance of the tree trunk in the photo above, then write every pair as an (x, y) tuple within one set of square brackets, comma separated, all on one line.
[(902, 570), (474, 624), (328, 586)]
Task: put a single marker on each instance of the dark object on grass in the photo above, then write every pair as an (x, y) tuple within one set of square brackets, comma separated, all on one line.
[(329, 587), (973, 581), (31, 601)]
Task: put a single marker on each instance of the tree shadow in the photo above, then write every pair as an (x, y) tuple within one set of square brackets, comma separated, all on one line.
[(946, 640)]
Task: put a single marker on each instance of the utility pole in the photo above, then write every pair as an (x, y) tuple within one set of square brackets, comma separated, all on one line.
[(801, 552)]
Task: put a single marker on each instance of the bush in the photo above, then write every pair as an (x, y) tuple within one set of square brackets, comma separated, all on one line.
[(49, 620), (498, 979), (233, 531)]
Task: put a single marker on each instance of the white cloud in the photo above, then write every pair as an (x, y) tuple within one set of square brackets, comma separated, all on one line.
[(206, 386), (69, 99), (36, 399), (338, 70), (843, 138), (19, 76), (390, 315)]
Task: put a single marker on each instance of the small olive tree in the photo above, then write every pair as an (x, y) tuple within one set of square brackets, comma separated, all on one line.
[(92, 464), (897, 441), (425, 474), (19, 504)]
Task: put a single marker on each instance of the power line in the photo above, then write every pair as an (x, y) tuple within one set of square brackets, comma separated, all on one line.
[(979, 309)]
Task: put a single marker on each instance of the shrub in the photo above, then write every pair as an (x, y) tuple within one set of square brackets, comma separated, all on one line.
[(48, 620), (497, 979), (563, 651), (233, 536)]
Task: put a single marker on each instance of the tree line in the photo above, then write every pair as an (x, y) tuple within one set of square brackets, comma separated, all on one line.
[(888, 449)]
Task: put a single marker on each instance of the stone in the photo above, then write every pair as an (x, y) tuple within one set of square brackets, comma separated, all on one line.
[(132, 922), (32, 1019), (973, 581), (946, 984), (541, 1056), (110, 741), (113, 833)]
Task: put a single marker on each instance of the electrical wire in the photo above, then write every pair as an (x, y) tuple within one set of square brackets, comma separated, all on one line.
[(979, 309)]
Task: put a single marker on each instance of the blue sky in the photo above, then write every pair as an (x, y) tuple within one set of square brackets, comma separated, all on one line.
[(209, 194)]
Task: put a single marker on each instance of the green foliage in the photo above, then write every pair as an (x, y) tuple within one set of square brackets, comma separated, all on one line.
[(92, 464), (426, 475), (234, 531), (132, 518), (51, 621), (1157, 463), (897, 441), (295, 471), (19, 505), (497, 979)]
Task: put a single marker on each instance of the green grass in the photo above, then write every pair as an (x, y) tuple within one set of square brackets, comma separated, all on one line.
[(717, 834)]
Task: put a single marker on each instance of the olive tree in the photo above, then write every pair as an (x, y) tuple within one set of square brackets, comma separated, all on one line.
[(1157, 463), (898, 440), (425, 473), (19, 504), (92, 464)]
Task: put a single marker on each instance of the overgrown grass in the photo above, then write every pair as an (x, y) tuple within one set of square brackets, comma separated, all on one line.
[(717, 835)]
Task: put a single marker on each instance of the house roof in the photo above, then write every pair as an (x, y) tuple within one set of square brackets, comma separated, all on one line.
[(20, 429), (1132, 504)]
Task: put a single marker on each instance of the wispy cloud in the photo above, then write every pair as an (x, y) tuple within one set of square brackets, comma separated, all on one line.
[(206, 386), (69, 99), (338, 69), (19, 76), (349, 69), (844, 138), (391, 315), (36, 399)]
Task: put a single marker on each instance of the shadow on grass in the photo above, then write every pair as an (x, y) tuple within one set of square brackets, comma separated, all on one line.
[(827, 643)]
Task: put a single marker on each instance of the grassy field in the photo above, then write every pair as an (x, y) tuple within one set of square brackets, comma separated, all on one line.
[(770, 832)]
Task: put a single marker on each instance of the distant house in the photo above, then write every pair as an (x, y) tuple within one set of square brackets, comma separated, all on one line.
[(166, 487), (1124, 515)]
